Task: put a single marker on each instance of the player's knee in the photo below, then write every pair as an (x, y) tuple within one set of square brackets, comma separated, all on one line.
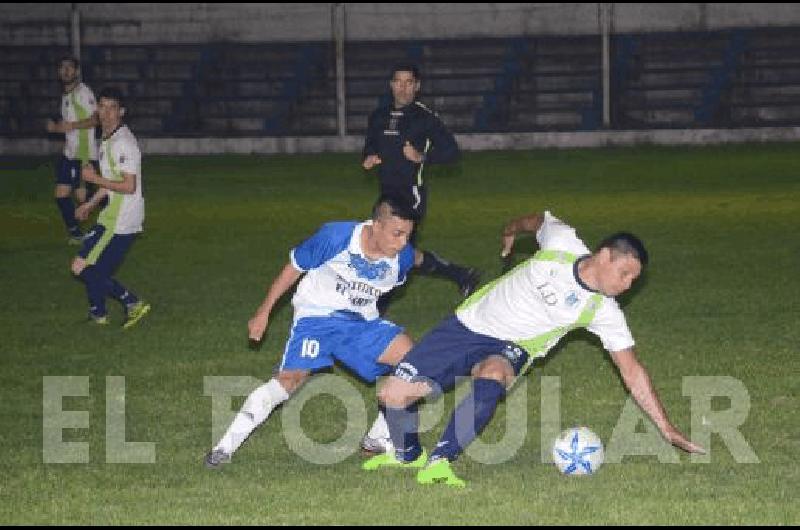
[(291, 380), (393, 394), (396, 350), (496, 369), (77, 266)]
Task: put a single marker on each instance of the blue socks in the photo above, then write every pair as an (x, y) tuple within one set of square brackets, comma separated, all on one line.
[(403, 427), (95, 289), (469, 418), (98, 287), (67, 208), (118, 291)]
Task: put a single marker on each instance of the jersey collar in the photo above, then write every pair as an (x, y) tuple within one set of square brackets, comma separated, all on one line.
[(577, 276), (120, 126)]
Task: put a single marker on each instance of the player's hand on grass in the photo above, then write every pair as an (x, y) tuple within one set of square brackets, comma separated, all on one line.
[(257, 326), (679, 440), (371, 161)]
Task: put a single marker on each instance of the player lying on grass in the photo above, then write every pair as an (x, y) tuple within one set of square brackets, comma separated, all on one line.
[(347, 266), (497, 332)]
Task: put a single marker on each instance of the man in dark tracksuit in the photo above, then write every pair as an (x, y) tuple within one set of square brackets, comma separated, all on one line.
[(401, 139)]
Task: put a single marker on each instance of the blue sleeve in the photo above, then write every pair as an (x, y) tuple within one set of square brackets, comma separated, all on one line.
[(405, 262), (329, 241)]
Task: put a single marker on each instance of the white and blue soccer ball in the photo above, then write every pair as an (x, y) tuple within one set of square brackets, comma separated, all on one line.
[(578, 451)]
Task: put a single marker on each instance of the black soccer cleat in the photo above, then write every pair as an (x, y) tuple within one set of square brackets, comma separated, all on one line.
[(216, 458), (470, 281)]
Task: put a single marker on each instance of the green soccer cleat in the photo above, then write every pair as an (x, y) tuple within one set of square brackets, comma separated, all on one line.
[(390, 460), (135, 313), (440, 472)]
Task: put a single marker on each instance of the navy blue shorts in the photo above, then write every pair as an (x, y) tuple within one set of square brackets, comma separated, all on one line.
[(105, 250), (68, 171), (451, 350)]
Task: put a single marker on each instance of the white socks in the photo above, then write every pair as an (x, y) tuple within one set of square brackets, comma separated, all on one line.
[(380, 429), (259, 405)]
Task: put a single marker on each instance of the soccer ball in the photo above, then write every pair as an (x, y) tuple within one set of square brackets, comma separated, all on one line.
[(578, 451)]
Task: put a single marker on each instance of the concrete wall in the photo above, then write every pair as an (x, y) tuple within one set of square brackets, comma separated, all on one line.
[(468, 142), (32, 24), (631, 18)]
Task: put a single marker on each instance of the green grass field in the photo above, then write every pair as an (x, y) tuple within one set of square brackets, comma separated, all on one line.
[(721, 298)]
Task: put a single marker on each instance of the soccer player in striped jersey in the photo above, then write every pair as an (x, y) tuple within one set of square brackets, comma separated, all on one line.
[(78, 122), (497, 332), (119, 222)]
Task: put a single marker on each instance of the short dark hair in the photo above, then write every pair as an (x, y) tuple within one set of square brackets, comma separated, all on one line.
[(114, 93), (626, 243), (394, 205), (70, 59), (406, 67)]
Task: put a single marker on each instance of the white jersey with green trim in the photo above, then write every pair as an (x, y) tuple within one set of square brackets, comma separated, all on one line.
[(76, 105), (119, 153), (542, 299)]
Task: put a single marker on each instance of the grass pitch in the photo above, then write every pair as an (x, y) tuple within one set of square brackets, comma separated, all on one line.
[(721, 299)]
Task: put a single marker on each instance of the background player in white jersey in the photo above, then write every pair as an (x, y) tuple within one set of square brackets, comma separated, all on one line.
[(78, 122), (347, 266), (118, 224), (497, 332)]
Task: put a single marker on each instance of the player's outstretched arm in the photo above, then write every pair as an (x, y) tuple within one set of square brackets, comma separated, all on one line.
[(524, 224), (641, 388), (282, 283)]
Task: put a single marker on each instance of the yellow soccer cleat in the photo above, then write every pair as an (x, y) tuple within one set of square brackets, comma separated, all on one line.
[(135, 313)]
